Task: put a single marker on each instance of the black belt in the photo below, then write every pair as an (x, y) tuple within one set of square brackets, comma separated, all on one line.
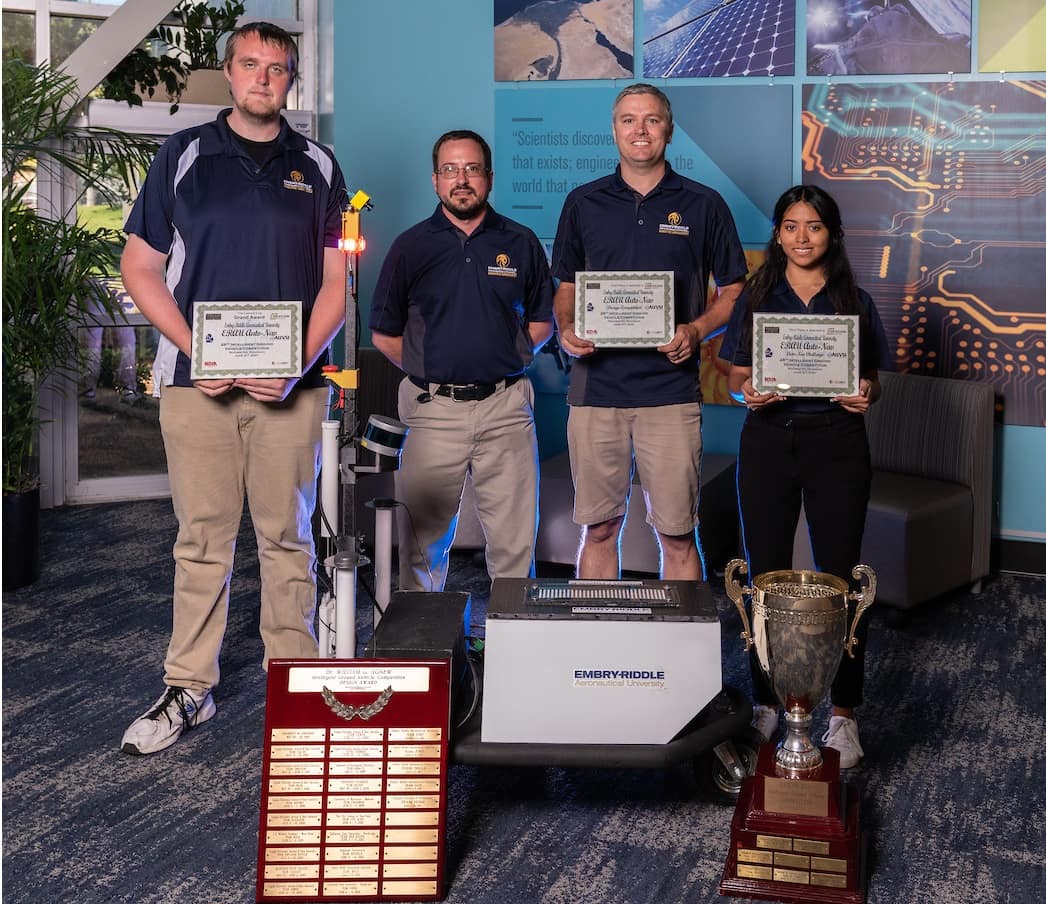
[(803, 419), (465, 392)]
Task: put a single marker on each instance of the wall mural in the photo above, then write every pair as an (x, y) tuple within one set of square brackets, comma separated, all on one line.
[(941, 182)]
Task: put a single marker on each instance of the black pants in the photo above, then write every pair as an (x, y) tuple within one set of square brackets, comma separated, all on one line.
[(821, 461)]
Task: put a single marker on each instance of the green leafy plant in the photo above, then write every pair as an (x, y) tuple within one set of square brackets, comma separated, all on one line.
[(52, 267), (171, 52)]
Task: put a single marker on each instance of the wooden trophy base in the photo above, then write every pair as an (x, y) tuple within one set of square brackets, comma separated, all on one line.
[(796, 839)]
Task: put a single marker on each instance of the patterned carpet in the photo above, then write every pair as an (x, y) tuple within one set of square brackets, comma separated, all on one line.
[(954, 730)]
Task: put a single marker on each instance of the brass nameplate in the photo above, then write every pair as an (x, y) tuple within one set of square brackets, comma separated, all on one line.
[(298, 752), (796, 797), (293, 819), (358, 751), (295, 803), (747, 855), (402, 836), (352, 889), (415, 785), (342, 785), (829, 880), (750, 871), (408, 870), (352, 836), (411, 801), (409, 818), (791, 875), (350, 871), (352, 853), (298, 734), (808, 846), (415, 734), (412, 852), (414, 751), (400, 887), (800, 861), (295, 854), (291, 889), (773, 842), (292, 871), (363, 767), (295, 785), (353, 819), (413, 767), (357, 734), (354, 802), (292, 836), (828, 864), (295, 769)]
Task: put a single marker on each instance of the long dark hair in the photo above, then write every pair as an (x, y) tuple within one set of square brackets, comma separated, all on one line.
[(839, 278)]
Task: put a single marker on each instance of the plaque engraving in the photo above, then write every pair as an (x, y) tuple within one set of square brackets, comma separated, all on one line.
[(292, 871), (414, 751), (357, 734), (358, 767), (409, 767), (751, 871), (338, 785), (351, 889), (412, 784), (806, 798), (353, 819), (286, 802), (298, 751), (293, 768), (292, 853), (791, 875), (411, 801), (354, 801), (295, 785), (293, 819), (296, 836), (298, 734), (364, 852), (352, 836), (747, 855), (350, 871), (415, 734), (290, 889)]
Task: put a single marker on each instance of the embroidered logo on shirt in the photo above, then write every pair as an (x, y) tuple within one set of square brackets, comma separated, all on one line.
[(502, 267), (297, 182), (673, 227)]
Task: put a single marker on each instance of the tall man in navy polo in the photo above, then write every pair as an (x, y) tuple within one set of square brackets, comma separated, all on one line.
[(243, 208), (642, 403), (463, 301)]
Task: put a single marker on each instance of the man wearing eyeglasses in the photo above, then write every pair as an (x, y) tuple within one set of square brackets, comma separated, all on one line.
[(642, 405), (463, 301)]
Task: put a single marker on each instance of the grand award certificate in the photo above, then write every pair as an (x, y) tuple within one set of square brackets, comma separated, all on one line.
[(246, 339), (628, 309), (806, 356)]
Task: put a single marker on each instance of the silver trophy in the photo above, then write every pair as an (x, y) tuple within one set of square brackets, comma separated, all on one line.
[(799, 631)]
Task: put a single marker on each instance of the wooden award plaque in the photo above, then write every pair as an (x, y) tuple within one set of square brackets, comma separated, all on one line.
[(796, 839), (354, 781)]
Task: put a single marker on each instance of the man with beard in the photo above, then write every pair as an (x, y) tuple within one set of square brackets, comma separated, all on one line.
[(240, 209), (463, 301)]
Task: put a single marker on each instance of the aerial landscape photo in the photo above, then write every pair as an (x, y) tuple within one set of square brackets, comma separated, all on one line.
[(562, 39)]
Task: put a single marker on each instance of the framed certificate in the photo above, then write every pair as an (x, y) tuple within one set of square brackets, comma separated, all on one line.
[(629, 309), (806, 356), (246, 339)]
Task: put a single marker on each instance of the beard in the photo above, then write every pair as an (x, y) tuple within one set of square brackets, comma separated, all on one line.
[(464, 207)]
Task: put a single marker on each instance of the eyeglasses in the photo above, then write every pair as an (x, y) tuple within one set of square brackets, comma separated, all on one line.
[(469, 170)]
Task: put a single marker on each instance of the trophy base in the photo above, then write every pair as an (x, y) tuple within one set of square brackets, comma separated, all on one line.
[(796, 839)]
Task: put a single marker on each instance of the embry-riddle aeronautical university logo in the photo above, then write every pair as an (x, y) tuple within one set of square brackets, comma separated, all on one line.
[(502, 267), (673, 226), (297, 182)]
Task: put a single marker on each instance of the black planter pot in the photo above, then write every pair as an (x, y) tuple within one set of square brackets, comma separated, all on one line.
[(21, 539)]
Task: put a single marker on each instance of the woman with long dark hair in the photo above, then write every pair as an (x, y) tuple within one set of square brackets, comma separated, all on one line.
[(810, 452)]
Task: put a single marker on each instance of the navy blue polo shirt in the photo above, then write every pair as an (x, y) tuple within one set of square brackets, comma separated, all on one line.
[(462, 303), (681, 226), (234, 231), (874, 351)]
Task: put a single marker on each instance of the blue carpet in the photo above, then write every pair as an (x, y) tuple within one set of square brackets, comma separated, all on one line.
[(954, 730)]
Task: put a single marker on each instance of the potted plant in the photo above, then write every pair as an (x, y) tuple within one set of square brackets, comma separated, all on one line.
[(51, 272), (170, 53)]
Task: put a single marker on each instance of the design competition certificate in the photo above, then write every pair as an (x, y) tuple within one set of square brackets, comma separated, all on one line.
[(246, 339), (630, 309), (805, 356)]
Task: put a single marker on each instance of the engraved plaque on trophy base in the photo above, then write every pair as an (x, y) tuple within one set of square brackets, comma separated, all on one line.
[(810, 852)]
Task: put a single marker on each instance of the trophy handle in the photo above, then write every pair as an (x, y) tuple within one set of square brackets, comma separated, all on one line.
[(737, 593), (864, 597)]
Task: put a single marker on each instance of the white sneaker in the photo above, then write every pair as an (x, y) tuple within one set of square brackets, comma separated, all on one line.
[(764, 720), (842, 736), (178, 710)]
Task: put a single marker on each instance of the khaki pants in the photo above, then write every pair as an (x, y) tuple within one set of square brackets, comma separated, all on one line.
[(220, 450), (495, 442)]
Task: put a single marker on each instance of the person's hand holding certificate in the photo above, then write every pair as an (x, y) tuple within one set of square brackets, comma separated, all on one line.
[(246, 339), (800, 355)]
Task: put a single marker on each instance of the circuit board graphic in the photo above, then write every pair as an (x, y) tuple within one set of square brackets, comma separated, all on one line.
[(941, 187)]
